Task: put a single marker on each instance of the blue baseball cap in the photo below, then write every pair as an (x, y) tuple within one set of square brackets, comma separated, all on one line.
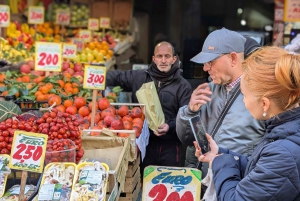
[(222, 41)]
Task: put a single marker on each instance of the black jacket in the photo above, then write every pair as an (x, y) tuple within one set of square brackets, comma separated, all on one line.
[(173, 94)]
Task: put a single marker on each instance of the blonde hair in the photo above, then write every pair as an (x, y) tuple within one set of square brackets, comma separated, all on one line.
[(273, 73)]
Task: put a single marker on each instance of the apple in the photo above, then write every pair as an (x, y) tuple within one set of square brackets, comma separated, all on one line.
[(30, 63), (70, 70), (78, 73), (65, 66), (80, 78), (77, 67), (25, 68)]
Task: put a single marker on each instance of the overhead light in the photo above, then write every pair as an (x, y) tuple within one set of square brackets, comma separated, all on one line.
[(268, 28), (239, 11), (243, 22)]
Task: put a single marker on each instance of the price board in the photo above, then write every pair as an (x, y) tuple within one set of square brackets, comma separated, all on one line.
[(63, 16), (4, 16), (28, 151), (86, 35), (36, 14), (48, 56), (104, 22), (68, 50), (93, 24), (79, 44), (94, 77), (171, 183)]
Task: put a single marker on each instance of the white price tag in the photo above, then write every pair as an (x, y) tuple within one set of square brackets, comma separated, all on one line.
[(36, 14), (46, 192), (4, 16), (63, 16)]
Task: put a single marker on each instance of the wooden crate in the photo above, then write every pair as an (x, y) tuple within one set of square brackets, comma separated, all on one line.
[(133, 166), (133, 195), (131, 182)]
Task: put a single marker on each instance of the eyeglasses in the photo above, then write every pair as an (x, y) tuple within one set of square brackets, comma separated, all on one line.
[(210, 63)]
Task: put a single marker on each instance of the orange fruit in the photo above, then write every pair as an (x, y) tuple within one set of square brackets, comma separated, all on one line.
[(123, 111), (75, 90), (61, 108), (79, 102), (54, 99), (19, 79), (2, 77), (103, 103), (84, 111), (49, 85), (41, 97), (26, 79), (68, 103), (61, 83), (91, 104), (4, 93)]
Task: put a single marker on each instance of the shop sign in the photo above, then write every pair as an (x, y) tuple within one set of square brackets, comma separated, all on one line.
[(69, 50), (93, 24), (104, 22), (291, 10), (28, 151), (171, 183), (36, 14), (79, 44), (48, 56), (4, 16), (86, 35), (94, 77), (63, 16)]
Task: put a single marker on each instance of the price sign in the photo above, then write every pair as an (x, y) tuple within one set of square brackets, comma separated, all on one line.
[(28, 151), (69, 50), (86, 35), (104, 22), (36, 14), (4, 16), (171, 183), (79, 44), (63, 16), (94, 77), (48, 56), (93, 24)]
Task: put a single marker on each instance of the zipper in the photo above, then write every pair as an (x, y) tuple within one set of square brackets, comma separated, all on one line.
[(158, 84)]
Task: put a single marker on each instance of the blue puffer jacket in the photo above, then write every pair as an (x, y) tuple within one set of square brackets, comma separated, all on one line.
[(272, 172)]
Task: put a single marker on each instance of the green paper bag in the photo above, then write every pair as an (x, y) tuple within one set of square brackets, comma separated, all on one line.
[(147, 95)]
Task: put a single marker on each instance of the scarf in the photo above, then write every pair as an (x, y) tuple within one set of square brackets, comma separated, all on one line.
[(163, 76)]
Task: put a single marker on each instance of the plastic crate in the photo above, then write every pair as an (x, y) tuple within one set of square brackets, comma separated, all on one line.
[(27, 105)]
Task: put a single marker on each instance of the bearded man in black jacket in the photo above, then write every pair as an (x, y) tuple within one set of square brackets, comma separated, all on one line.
[(173, 92)]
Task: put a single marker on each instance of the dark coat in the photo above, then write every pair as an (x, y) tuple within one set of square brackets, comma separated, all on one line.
[(273, 170), (173, 94)]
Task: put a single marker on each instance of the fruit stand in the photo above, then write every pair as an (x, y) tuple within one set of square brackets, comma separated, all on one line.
[(46, 49)]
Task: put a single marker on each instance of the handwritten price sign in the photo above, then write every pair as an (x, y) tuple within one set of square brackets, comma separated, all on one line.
[(104, 22), (28, 151), (79, 44), (4, 16), (94, 77), (48, 56), (171, 183), (69, 50), (63, 16), (36, 14), (86, 35), (93, 24)]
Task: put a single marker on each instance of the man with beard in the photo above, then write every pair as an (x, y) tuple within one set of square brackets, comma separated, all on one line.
[(173, 92)]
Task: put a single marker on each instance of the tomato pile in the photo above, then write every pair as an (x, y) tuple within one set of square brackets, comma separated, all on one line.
[(56, 124), (60, 151)]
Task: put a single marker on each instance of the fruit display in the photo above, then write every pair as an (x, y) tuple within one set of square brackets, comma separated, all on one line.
[(79, 14), (55, 7)]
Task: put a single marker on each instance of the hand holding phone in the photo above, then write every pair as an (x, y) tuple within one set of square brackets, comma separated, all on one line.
[(199, 132)]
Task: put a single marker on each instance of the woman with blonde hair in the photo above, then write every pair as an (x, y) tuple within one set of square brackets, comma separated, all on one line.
[(271, 87)]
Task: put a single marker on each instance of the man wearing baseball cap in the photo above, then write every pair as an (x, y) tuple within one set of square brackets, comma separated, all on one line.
[(220, 103)]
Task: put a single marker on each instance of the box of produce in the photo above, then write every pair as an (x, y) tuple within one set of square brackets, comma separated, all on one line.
[(57, 181), (4, 172), (63, 150), (90, 181)]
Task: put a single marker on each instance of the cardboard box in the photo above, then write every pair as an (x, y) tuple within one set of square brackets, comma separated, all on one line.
[(122, 14), (100, 8)]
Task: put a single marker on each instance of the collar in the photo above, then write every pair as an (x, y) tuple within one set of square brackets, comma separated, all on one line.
[(233, 84)]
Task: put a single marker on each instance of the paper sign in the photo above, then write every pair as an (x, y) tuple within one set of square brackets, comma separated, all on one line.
[(79, 44), (94, 77), (28, 151), (46, 192), (48, 56), (171, 183), (104, 22), (291, 10), (69, 50), (93, 24), (86, 35), (36, 14), (4, 16), (63, 16)]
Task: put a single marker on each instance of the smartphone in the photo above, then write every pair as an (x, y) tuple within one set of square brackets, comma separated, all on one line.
[(199, 132)]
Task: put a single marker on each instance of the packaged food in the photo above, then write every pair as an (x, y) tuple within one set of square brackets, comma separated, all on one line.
[(90, 182), (4, 172), (57, 182), (13, 193)]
